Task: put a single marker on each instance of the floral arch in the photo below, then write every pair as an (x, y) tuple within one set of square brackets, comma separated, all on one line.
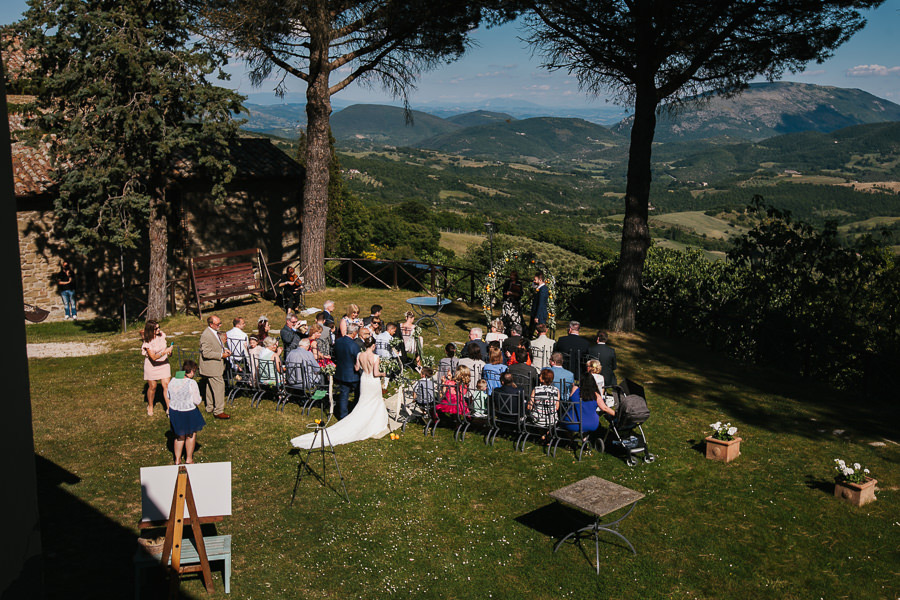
[(526, 263)]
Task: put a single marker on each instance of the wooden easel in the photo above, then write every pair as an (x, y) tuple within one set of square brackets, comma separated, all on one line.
[(175, 533)]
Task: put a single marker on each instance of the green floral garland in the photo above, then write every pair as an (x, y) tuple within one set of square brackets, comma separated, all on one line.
[(519, 260)]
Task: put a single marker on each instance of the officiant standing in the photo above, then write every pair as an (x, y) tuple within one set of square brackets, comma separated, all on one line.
[(511, 306)]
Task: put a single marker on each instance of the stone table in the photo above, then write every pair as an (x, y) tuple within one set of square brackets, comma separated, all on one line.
[(598, 497)]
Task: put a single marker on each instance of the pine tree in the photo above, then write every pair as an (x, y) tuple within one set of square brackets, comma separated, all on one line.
[(123, 102)]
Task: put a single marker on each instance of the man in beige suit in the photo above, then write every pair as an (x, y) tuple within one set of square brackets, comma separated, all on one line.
[(212, 366)]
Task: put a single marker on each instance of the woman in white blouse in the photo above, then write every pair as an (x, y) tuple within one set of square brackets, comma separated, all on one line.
[(184, 396)]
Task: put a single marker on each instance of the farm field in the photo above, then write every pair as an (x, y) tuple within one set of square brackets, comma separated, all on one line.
[(700, 223)]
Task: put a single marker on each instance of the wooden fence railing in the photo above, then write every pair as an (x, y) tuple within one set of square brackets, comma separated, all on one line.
[(419, 276)]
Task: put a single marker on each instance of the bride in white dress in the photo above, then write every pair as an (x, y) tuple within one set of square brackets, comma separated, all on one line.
[(369, 418)]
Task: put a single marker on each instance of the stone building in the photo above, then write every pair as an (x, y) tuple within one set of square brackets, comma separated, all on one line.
[(262, 210)]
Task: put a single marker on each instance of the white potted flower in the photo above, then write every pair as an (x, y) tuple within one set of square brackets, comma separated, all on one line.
[(853, 483), (722, 444)]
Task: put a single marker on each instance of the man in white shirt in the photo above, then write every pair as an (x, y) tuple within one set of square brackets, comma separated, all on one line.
[(541, 348), (238, 342)]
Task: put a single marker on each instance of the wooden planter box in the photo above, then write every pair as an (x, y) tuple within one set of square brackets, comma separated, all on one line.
[(722, 450), (856, 494)]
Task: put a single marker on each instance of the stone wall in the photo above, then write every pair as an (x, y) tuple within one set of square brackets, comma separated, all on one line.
[(257, 214)]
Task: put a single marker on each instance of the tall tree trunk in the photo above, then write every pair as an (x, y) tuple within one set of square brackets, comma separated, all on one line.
[(635, 229), (159, 238), (318, 159)]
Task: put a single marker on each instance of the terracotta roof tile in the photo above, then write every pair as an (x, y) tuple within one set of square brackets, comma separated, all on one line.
[(31, 170)]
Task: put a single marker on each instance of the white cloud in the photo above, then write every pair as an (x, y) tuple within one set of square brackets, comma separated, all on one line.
[(872, 70)]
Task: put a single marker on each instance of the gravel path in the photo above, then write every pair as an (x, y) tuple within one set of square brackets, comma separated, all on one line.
[(62, 350)]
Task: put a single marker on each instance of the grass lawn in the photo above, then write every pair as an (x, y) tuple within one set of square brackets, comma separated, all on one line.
[(439, 519)]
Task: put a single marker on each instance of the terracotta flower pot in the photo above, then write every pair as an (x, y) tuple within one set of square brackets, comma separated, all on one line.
[(856, 494), (722, 450)]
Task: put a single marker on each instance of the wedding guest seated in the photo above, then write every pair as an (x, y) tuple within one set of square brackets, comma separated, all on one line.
[(455, 392), (351, 317), (363, 334), (496, 332), (586, 400), (544, 403), (515, 340), (237, 340), (406, 330), (480, 399), (607, 357), (563, 378), (423, 392), (269, 362), (301, 355), (573, 346), (473, 359), (319, 345), (475, 337), (447, 365), (541, 348), (262, 329), (491, 372), (383, 341), (289, 334), (525, 376), (507, 386), (374, 314)]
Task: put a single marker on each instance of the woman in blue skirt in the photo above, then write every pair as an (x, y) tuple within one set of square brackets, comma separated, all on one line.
[(184, 396)]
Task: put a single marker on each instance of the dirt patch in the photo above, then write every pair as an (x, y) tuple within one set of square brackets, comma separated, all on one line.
[(65, 349)]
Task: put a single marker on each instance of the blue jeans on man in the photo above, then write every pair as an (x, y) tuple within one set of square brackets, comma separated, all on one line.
[(343, 403), (68, 298)]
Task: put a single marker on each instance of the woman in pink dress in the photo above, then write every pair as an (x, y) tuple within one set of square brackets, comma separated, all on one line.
[(156, 361)]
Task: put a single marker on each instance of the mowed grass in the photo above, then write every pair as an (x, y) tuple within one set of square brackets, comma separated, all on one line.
[(460, 242), (435, 518)]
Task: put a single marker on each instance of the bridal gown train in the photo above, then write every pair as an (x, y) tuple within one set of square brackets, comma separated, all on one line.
[(368, 419)]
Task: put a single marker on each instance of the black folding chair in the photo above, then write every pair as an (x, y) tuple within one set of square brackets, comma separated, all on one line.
[(569, 427), (506, 411)]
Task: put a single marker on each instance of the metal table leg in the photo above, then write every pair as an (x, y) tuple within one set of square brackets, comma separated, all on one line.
[(595, 529)]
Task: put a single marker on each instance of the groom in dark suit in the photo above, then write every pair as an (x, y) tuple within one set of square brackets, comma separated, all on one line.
[(540, 302), (344, 354)]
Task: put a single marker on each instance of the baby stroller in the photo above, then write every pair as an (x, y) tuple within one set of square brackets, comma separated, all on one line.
[(626, 427)]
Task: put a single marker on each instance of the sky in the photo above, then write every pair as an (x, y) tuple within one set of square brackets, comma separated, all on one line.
[(501, 67)]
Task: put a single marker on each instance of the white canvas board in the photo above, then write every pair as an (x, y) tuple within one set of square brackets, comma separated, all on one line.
[(210, 482)]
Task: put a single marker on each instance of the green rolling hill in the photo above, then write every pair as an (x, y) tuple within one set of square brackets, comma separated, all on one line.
[(480, 117), (537, 139), (377, 124)]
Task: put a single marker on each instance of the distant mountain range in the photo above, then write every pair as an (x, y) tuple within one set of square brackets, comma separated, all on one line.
[(769, 109), (763, 111)]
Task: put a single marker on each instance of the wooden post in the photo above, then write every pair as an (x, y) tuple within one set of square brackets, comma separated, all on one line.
[(395, 275), (432, 278), (350, 272)]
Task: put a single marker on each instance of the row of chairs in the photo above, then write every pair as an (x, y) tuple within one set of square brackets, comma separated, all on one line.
[(505, 412)]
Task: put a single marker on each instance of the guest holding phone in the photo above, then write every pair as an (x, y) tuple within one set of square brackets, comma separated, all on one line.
[(156, 361)]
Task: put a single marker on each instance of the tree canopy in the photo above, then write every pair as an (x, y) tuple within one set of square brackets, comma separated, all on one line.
[(655, 53), (375, 42), (124, 97)]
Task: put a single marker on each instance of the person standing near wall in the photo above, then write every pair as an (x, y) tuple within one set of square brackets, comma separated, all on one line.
[(66, 282)]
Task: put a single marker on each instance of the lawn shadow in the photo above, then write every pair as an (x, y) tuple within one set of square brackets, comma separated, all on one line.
[(305, 470), (99, 325), (698, 446), (82, 545), (752, 394), (556, 520), (814, 483)]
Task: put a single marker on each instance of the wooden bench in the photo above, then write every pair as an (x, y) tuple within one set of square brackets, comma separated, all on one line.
[(213, 283), (218, 547)]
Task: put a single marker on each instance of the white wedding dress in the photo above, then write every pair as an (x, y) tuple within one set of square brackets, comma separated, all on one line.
[(368, 419)]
